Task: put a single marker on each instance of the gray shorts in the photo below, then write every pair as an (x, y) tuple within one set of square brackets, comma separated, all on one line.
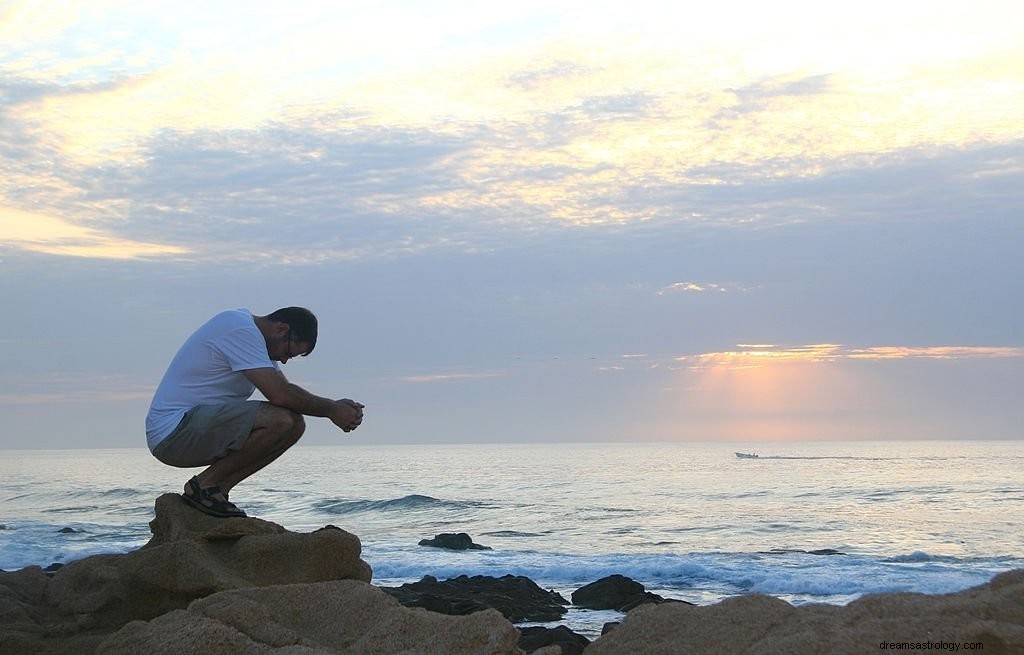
[(208, 432)]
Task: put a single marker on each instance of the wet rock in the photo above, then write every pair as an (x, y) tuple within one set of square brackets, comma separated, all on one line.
[(453, 541), (820, 551), (518, 598), (53, 568), (615, 592), (536, 637)]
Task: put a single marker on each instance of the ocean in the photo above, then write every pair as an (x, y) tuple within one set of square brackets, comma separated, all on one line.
[(819, 522)]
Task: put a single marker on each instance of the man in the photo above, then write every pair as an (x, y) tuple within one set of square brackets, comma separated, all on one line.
[(201, 414)]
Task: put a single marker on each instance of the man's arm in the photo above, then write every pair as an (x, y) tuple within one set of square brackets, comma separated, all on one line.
[(275, 387)]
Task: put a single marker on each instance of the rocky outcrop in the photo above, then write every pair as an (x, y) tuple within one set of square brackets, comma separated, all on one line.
[(244, 585), (200, 576), (614, 592), (516, 597), (338, 617), (991, 615), (453, 541)]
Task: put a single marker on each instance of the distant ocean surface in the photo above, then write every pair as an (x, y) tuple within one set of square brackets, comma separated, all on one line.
[(688, 521)]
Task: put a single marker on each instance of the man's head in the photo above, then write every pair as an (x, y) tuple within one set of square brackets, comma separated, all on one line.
[(302, 328)]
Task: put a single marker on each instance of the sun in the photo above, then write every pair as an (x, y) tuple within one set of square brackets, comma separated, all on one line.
[(759, 392)]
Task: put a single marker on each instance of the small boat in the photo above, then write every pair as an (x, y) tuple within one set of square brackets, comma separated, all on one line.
[(747, 455)]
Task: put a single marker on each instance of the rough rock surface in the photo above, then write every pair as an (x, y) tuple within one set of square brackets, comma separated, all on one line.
[(191, 556), (516, 597), (992, 615), (344, 616)]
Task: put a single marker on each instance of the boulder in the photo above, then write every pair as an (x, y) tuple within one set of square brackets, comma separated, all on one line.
[(518, 598), (190, 556), (989, 617), (453, 541), (534, 638), (614, 592), (345, 617)]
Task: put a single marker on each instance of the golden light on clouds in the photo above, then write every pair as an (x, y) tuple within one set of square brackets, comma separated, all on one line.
[(935, 352), (578, 106), (701, 102), (54, 236), (758, 355)]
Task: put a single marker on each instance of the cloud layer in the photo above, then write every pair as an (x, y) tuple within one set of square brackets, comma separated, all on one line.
[(496, 203)]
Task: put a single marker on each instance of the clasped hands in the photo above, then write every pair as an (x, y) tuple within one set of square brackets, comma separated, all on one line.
[(348, 414)]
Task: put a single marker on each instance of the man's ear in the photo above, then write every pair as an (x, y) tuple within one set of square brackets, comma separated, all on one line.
[(281, 329)]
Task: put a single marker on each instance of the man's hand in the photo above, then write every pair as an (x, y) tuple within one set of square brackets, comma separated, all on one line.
[(347, 414)]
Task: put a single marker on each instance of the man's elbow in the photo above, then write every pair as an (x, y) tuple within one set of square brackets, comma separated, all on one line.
[(280, 398)]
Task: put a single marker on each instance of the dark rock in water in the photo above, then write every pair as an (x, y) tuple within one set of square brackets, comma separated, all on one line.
[(820, 551), (615, 592), (825, 551), (536, 637), (69, 531), (517, 597), (453, 541), (608, 593)]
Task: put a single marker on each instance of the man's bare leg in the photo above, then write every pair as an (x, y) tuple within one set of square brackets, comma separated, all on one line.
[(274, 431)]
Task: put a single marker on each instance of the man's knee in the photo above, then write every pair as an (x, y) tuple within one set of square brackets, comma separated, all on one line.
[(285, 422), (298, 424)]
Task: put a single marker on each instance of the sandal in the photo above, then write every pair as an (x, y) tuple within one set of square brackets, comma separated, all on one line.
[(206, 501)]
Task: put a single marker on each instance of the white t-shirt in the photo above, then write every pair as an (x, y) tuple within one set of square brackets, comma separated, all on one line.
[(208, 370)]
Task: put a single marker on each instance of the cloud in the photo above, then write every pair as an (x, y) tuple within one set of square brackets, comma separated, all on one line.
[(54, 236), (77, 397), (755, 355), (364, 159), (447, 377), (936, 352), (66, 386), (759, 95), (695, 287)]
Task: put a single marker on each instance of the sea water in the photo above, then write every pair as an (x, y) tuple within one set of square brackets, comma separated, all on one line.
[(806, 522)]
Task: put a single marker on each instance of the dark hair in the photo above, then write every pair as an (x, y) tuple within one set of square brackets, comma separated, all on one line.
[(302, 323)]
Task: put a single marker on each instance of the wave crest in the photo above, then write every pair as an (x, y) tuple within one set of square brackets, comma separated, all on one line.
[(412, 502)]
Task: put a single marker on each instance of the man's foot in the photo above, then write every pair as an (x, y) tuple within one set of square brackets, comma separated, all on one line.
[(209, 500)]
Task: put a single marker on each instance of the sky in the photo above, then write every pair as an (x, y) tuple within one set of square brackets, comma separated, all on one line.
[(523, 222)]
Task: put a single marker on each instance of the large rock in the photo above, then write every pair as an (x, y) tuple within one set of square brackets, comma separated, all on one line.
[(453, 541), (991, 615), (340, 617), (190, 556), (516, 597), (614, 592)]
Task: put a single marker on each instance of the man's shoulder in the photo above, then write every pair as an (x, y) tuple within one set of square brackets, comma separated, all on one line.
[(233, 319)]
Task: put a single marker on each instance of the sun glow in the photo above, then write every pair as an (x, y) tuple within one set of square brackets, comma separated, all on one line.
[(765, 392)]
